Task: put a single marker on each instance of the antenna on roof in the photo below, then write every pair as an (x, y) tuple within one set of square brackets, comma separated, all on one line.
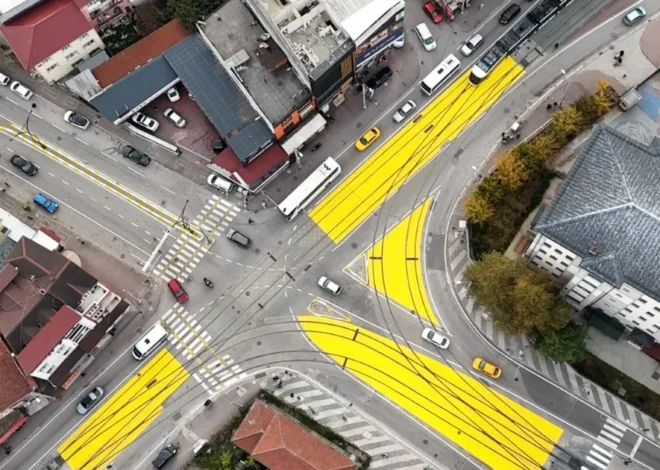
[(594, 249)]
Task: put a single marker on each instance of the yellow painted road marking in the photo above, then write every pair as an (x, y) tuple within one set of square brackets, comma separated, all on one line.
[(124, 415), (394, 264), (496, 430), (407, 151), (82, 169)]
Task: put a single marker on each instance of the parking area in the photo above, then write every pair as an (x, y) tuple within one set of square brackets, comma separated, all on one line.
[(196, 137)]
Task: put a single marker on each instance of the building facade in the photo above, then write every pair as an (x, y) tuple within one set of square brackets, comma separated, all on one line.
[(600, 236)]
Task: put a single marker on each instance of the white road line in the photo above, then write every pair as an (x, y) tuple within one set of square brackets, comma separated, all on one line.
[(82, 141), (121, 216), (51, 174), (107, 208), (79, 190), (64, 182), (10, 150), (111, 158), (148, 233), (12, 101), (168, 190), (147, 241), (58, 127), (36, 115), (134, 224)]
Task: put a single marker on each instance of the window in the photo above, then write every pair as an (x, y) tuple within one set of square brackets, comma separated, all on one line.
[(543, 251), (564, 264), (558, 251), (89, 43), (548, 263), (554, 258), (642, 301), (52, 67), (68, 46), (635, 322), (84, 35), (68, 56), (648, 331)]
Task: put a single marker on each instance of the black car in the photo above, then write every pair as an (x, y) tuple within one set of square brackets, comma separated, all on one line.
[(135, 155), (26, 166), (510, 13), (165, 455), (239, 238), (381, 77)]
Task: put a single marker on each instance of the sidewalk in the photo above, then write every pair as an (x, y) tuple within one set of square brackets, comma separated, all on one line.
[(641, 61)]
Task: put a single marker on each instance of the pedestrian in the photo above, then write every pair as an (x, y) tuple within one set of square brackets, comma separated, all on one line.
[(7, 450), (556, 45), (625, 75), (279, 384), (549, 107), (619, 60), (555, 104), (481, 6), (250, 221), (275, 377), (621, 54)]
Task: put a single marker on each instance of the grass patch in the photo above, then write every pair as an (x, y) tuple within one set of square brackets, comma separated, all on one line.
[(497, 233), (638, 395)]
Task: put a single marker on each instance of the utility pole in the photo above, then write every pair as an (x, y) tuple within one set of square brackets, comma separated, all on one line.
[(25, 130)]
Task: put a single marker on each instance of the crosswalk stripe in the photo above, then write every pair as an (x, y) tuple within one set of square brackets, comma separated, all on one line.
[(596, 463), (607, 442), (613, 430), (358, 431), (384, 449), (603, 451), (611, 437), (389, 460), (606, 460)]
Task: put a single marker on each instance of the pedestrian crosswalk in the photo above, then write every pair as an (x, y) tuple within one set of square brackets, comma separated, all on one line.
[(190, 341), (188, 250), (522, 351), (387, 453), (601, 452)]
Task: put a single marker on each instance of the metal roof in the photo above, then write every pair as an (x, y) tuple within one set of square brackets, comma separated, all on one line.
[(135, 89), (219, 97), (610, 201)]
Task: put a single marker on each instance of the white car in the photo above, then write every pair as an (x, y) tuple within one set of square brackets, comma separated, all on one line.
[(173, 95), (399, 43), (328, 284), (145, 121), (174, 117), (472, 44), (435, 338), (21, 91), (4, 79), (404, 111), (90, 401), (77, 120), (634, 16)]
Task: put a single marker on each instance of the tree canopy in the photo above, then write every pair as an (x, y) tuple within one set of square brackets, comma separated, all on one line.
[(564, 345)]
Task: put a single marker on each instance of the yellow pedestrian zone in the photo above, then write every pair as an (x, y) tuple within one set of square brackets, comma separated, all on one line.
[(494, 429), (125, 415), (394, 264), (407, 151)]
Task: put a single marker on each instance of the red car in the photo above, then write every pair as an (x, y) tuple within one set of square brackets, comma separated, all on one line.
[(177, 289), (432, 11)]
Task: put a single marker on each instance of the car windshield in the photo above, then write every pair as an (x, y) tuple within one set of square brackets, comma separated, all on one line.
[(364, 140), (87, 401), (178, 293), (78, 119), (26, 166)]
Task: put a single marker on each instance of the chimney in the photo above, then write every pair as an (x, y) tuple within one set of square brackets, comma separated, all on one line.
[(594, 249)]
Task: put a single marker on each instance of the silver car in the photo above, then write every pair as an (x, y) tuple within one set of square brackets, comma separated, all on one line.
[(435, 338), (90, 401), (404, 111), (634, 16), (145, 121), (472, 44), (329, 285)]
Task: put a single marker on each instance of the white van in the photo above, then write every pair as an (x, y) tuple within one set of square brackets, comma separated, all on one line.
[(150, 341), (425, 36)]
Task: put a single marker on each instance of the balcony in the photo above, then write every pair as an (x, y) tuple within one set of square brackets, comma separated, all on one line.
[(97, 8)]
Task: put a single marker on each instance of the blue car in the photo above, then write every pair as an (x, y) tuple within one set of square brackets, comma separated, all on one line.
[(43, 201)]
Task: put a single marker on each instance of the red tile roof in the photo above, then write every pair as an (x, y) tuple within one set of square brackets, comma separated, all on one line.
[(44, 30), (140, 53), (281, 444), (257, 170), (15, 384), (43, 343)]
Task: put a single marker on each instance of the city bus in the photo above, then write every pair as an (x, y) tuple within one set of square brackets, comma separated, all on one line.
[(309, 189), (440, 74)]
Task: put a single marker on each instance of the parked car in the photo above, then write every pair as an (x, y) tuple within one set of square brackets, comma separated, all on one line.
[(134, 154), (4, 79), (26, 166), (380, 78), (435, 338), (367, 139), (329, 285), (486, 368), (48, 204), (431, 10), (218, 182), (399, 43), (404, 111), (77, 120), (219, 145), (472, 44), (510, 13), (178, 291), (173, 95), (21, 91), (145, 121), (90, 401), (426, 38), (238, 238), (165, 455), (174, 117), (634, 16)]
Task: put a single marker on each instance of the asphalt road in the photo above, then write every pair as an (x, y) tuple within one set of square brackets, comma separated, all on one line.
[(255, 322)]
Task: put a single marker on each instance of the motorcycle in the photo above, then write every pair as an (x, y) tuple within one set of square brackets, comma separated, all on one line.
[(208, 283)]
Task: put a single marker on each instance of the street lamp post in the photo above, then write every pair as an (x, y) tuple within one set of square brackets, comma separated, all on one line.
[(26, 129)]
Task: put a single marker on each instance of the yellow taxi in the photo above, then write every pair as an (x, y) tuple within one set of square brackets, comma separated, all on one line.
[(367, 139), (491, 370)]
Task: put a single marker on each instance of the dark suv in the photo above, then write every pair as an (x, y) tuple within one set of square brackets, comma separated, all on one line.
[(510, 13), (382, 76), (165, 455), (134, 154)]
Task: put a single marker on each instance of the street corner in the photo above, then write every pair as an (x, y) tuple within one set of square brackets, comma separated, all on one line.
[(322, 308), (394, 264)]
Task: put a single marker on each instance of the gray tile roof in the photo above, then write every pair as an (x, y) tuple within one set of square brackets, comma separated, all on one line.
[(218, 96), (611, 200), (136, 88)]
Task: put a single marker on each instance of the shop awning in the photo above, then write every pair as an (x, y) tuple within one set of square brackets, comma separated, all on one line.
[(12, 429), (606, 324)]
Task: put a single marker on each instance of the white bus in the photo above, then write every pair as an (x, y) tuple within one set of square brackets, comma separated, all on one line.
[(440, 74), (309, 189)]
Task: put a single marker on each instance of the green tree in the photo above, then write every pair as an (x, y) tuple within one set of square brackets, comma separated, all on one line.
[(226, 459), (535, 305), (566, 124), (529, 155), (192, 11), (546, 146), (586, 106), (511, 171), (477, 208), (492, 189), (564, 345)]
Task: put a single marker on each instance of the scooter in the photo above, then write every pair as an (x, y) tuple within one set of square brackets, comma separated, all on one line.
[(208, 283)]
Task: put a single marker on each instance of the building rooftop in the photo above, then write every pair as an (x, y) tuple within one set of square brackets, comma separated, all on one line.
[(140, 53), (282, 444), (38, 33), (610, 204), (311, 29), (15, 384), (261, 64), (256, 173), (220, 98)]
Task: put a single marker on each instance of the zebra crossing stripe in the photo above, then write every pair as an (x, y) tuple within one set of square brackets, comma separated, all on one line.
[(372, 440), (389, 460), (596, 462), (603, 451), (358, 431)]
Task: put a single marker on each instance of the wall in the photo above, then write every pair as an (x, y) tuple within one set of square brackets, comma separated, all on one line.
[(63, 60)]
